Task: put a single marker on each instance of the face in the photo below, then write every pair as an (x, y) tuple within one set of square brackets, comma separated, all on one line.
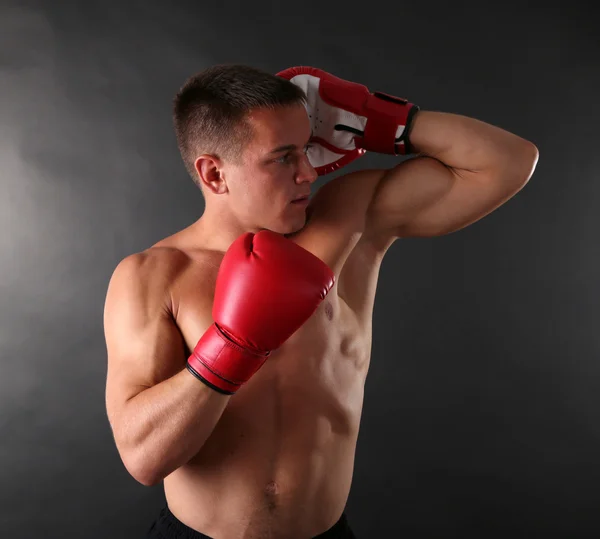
[(274, 173)]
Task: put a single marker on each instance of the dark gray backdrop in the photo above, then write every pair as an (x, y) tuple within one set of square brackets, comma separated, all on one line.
[(482, 408)]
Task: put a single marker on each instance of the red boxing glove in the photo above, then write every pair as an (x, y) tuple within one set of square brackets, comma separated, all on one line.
[(347, 119), (267, 287)]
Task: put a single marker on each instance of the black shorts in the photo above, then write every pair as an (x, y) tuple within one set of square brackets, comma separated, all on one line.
[(166, 526)]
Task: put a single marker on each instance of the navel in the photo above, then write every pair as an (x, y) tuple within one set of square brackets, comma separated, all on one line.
[(272, 488), (271, 495)]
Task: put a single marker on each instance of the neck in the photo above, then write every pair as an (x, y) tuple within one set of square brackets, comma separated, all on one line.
[(217, 229)]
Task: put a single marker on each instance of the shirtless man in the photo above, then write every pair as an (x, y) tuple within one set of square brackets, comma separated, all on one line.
[(273, 457)]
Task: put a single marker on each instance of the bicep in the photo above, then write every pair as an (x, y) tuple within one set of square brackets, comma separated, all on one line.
[(423, 197), (406, 192), (144, 345)]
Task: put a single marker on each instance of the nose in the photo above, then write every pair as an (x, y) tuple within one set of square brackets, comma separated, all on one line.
[(306, 172)]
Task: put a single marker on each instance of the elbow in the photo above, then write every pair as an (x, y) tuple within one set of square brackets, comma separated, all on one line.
[(141, 468), (140, 461), (529, 161), (518, 167)]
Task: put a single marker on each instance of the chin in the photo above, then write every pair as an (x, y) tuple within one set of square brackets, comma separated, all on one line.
[(295, 229), (288, 228), (287, 223)]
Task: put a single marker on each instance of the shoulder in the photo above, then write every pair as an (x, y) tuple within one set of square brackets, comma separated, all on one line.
[(338, 233), (149, 266), (145, 278), (340, 206), (337, 216)]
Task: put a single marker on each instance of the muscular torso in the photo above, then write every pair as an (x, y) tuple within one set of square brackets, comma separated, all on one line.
[(279, 462)]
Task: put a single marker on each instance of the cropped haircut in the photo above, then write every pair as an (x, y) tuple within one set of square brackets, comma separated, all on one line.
[(210, 111)]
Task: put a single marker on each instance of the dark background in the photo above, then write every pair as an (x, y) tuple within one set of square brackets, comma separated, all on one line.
[(482, 411)]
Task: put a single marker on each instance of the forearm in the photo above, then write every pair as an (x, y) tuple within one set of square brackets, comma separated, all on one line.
[(465, 143), (163, 427)]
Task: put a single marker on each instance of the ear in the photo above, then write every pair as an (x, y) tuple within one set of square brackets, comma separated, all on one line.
[(210, 173)]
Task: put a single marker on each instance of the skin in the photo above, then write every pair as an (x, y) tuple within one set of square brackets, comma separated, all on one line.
[(276, 459)]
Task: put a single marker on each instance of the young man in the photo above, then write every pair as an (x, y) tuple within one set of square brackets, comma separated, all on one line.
[(244, 393)]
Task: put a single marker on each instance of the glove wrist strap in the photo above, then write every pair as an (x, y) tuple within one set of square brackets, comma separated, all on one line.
[(385, 113), (223, 364)]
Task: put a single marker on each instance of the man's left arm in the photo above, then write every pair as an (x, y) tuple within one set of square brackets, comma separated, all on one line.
[(465, 169)]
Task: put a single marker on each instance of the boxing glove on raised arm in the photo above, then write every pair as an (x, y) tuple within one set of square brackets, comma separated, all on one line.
[(267, 287), (347, 119)]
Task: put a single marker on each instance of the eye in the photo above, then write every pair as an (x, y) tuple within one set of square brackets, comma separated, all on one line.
[(289, 157), (284, 159)]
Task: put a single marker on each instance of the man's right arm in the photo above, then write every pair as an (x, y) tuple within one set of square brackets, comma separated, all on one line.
[(267, 287), (160, 414)]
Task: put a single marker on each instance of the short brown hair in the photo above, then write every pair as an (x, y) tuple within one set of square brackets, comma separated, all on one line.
[(210, 110)]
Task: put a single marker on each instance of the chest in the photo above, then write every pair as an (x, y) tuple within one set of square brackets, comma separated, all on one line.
[(332, 339), (334, 330), (322, 368), (335, 340)]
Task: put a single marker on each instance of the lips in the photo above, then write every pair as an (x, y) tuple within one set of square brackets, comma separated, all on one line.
[(304, 197)]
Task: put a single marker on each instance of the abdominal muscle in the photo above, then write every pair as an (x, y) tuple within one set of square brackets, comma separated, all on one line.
[(279, 462)]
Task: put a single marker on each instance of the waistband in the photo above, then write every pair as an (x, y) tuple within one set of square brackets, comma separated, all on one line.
[(170, 527)]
